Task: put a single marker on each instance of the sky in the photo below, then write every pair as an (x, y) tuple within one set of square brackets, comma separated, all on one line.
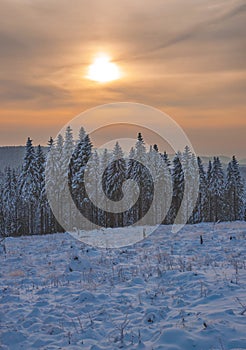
[(184, 57)]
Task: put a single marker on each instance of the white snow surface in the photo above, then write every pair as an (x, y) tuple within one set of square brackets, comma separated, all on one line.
[(165, 292), (114, 237)]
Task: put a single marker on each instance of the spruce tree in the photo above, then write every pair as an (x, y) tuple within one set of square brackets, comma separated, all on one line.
[(115, 176), (209, 192), (178, 186), (202, 209), (27, 189), (76, 176), (40, 191), (234, 192), (217, 191), (139, 173), (8, 198)]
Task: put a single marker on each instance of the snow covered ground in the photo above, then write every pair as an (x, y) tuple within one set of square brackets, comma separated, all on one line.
[(114, 237), (166, 292)]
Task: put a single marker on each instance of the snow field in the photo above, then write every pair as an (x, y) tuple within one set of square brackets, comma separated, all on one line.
[(165, 292)]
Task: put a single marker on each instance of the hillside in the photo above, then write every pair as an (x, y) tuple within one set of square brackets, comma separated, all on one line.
[(12, 156), (166, 292)]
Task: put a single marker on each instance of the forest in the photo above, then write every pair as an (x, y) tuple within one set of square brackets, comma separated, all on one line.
[(158, 193)]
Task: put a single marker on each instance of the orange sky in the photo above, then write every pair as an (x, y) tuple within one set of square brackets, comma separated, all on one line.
[(185, 57)]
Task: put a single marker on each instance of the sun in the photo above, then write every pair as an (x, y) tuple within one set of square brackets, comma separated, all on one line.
[(103, 70)]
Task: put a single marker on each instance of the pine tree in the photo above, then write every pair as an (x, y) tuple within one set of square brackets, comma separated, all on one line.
[(234, 192), (187, 166), (138, 172), (166, 160), (178, 186), (50, 143), (209, 192), (217, 191), (131, 191), (77, 169), (202, 209), (162, 185), (40, 191), (115, 176), (93, 187), (51, 184), (27, 188), (58, 176), (2, 218), (82, 134), (67, 152), (104, 162), (9, 204)]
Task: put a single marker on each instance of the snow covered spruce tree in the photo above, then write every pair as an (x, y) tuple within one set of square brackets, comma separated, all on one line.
[(209, 191), (130, 193), (115, 175), (54, 181), (188, 166), (201, 212), (93, 186), (40, 198), (76, 176), (168, 172), (234, 192), (217, 192), (9, 210), (160, 169), (67, 151), (178, 186), (104, 159), (28, 187), (50, 222), (2, 224), (140, 174)]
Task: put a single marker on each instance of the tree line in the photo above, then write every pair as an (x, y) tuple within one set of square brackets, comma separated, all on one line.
[(24, 207)]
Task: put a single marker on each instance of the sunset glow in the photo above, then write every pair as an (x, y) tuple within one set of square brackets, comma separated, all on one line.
[(102, 70), (186, 60)]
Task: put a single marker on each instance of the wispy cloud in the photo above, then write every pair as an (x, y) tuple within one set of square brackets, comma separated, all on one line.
[(185, 57)]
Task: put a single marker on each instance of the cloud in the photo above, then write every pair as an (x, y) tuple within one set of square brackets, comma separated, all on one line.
[(188, 55)]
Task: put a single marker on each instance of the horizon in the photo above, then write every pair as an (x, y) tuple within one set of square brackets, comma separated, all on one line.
[(125, 151)]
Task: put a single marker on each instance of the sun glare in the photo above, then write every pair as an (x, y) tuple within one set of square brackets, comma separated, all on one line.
[(103, 70)]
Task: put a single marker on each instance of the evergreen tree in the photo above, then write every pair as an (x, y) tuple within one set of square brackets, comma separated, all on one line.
[(166, 160), (9, 198), (77, 169), (209, 191), (234, 192), (104, 162), (50, 143), (40, 191), (217, 191), (93, 186), (178, 186), (2, 222), (202, 209), (67, 152), (187, 166), (27, 187), (115, 176), (138, 172), (82, 134), (51, 185), (163, 187)]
